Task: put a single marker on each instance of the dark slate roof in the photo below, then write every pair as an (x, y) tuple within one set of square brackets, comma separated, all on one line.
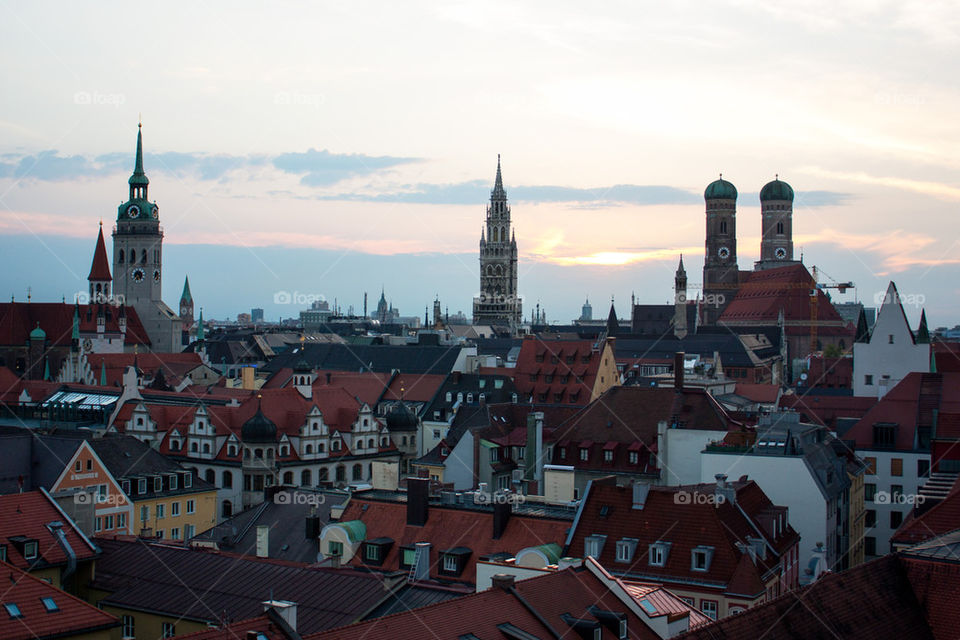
[(469, 383), (125, 456), (732, 351), (382, 358), (657, 319), (497, 346), (287, 524), (37, 458), (413, 596), (202, 585)]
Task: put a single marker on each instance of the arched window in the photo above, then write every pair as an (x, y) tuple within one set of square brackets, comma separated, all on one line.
[(246, 453), (358, 472), (370, 443), (723, 226), (227, 509), (210, 476), (269, 454), (206, 447), (194, 448), (258, 453), (324, 474), (143, 257), (359, 444), (308, 448), (99, 289), (341, 473), (403, 440), (780, 228), (503, 233), (496, 234), (305, 478), (226, 480), (284, 451), (232, 450), (320, 447), (121, 256), (288, 477)]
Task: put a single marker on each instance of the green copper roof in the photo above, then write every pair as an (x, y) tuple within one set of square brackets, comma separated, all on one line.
[(356, 530), (103, 373), (552, 551), (720, 190), (200, 326), (185, 296), (75, 334), (139, 177), (776, 190), (38, 333)]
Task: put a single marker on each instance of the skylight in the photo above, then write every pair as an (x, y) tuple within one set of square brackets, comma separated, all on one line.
[(13, 610), (50, 605), (648, 607)]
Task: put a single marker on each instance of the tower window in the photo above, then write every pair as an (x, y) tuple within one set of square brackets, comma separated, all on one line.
[(723, 226), (780, 228), (143, 257), (121, 256)]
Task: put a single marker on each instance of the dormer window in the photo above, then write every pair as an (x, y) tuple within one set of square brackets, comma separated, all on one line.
[(187, 480), (593, 545), (125, 486), (700, 558), (30, 549), (142, 486), (657, 555), (625, 549), (158, 484), (173, 482)]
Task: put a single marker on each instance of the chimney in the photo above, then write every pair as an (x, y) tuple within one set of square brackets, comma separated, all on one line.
[(285, 609), (678, 359), (418, 501), (502, 581), (263, 541), (328, 377), (253, 635), (724, 491), (502, 509), (312, 527), (534, 448)]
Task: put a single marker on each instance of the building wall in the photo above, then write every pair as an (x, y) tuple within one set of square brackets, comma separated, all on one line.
[(879, 478), (679, 451), (149, 626), (92, 474), (204, 514), (787, 482), (879, 358), (459, 464), (855, 553), (607, 374)]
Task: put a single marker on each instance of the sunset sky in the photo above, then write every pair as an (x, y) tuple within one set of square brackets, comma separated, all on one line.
[(334, 148)]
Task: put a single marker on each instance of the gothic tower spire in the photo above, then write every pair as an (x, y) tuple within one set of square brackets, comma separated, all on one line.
[(498, 302)]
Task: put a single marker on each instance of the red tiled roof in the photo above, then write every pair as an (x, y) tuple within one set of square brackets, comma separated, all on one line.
[(73, 616), (100, 269), (685, 524), (18, 319), (536, 357), (936, 586), (449, 527), (238, 630), (946, 356), (174, 365), (664, 601), (825, 409), (764, 393), (27, 514), (939, 519)]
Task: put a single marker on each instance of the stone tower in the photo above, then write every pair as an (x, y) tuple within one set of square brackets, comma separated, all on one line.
[(776, 210), (680, 301), (498, 302), (138, 261), (720, 272), (99, 278)]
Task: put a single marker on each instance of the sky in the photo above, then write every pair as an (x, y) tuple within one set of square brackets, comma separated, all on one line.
[(331, 149)]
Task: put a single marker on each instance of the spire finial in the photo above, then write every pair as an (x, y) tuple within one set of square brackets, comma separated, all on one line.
[(776, 176)]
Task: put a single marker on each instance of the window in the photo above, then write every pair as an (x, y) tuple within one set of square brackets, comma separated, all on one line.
[(870, 518), (371, 552), (657, 556), (128, 628), (226, 480), (625, 549), (890, 339), (144, 513), (108, 522), (563, 453), (634, 457), (709, 608), (334, 548), (168, 630), (121, 521), (175, 533), (50, 605), (871, 466), (160, 510), (896, 493), (868, 380), (450, 563), (158, 484), (593, 545), (870, 546), (187, 480), (869, 491), (174, 509), (30, 550), (13, 610), (700, 558), (923, 468), (89, 464), (173, 482), (190, 506), (407, 556), (436, 434), (607, 455), (78, 467), (896, 519), (189, 531), (584, 454), (98, 523)]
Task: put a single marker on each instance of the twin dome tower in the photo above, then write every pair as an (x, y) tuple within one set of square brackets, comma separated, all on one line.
[(721, 275)]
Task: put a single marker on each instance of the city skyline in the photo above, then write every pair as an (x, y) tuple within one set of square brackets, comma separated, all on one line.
[(310, 142)]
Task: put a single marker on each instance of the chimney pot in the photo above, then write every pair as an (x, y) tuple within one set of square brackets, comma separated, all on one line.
[(502, 581)]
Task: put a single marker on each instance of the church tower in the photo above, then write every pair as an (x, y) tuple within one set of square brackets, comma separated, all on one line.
[(498, 302), (720, 272), (99, 277), (186, 305), (138, 261), (680, 302), (776, 210)]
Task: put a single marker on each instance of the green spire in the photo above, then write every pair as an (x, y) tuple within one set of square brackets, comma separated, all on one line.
[(103, 373), (75, 334), (200, 326), (46, 369), (185, 297), (139, 177), (923, 333)]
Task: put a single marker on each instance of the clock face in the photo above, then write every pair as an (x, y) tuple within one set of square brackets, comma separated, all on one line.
[(723, 252), (133, 211), (156, 212), (87, 344), (156, 275), (781, 253), (137, 275)]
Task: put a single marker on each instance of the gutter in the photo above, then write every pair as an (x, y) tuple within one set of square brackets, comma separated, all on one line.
[(576, 518)]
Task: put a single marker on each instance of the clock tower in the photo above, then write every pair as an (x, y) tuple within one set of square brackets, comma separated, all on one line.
[(721, 275), (776, 210), (138, 260)]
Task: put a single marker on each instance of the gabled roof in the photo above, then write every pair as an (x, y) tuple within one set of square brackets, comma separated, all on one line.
[(18, 319), (205, 586), (72, 617), (938, 520), (685, 524), (566, 367), (100, 269), (28, 514), (175, 366)]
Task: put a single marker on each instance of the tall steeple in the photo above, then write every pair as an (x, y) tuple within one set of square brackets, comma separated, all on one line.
[(680, 301), (186, 305), (498, 303), (100, 278), (139, 181), (498, 192)]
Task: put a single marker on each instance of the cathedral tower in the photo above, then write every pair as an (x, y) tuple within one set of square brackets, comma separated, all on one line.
[(720, 272), (776, 210), (680, 302), (498, 302)]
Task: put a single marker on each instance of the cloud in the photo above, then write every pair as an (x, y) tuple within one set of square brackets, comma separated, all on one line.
[(322, 168)]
